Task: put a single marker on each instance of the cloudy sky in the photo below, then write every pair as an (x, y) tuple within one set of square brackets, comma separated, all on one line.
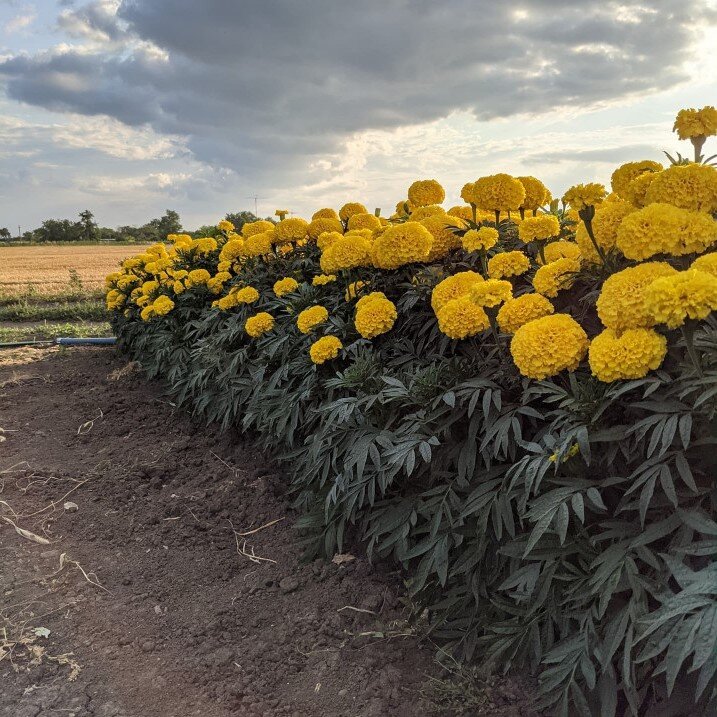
[(129, 107)]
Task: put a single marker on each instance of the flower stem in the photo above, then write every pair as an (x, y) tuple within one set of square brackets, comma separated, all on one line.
[(541, 251), (475, 217), (589, 228)]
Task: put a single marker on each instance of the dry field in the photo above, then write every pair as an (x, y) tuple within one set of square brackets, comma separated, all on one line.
[(48, 270)]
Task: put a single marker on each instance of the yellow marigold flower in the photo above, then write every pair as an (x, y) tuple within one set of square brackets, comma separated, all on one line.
[(115, 299), (258, 227), (630, 355), (468, 192), (375, 315), (323, 279), (480, 239), (246, 295), (460, 318), (687, 186), (225, 226), (215, 285), (519, 311), (147, 313), (326, 213), (621, 304), (290, 230), (536, 193), (365, 233), (259, 324), (546, 346), (363, 220), (351, 208), (581, 196), (556, 276), (636, 191), (151, 267), (224, 266), (347, 252), (629, 171), (664, 229), (461, 211), (162, 305), (707, 262), (325, 239), (353, 289), (225, 303), (508, 263), (404, 208), (441, 227), (178, 287), (325, 349), (183, 242), (312, 317), (257, 244), (285, 286), (540, 228), (430, 210), (691, 123), (197, 277), (491, 292), (426, 191), (605, 224), (205, 245), (560, 250), (690, 294), (323, 224), (497, 193), (453, 287), (401, 244), (150, 286)]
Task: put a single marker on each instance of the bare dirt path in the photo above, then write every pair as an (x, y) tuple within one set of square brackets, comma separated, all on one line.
[(132, 591)]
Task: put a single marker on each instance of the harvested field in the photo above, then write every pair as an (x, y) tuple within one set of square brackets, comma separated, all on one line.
[(53, 270)]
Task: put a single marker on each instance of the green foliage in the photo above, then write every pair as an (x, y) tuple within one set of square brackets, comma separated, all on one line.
[(565, 526)]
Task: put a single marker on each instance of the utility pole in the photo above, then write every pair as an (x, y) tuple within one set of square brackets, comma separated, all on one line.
[(256, 199)]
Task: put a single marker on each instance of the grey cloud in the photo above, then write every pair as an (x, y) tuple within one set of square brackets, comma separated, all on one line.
[(269, 84), (608, 155)]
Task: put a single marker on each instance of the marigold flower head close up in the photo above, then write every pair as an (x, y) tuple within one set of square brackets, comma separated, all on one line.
[(665, 229), (460, 318), (582, 196), (691, 294), (310, 318), (625, 174), (556, 276), (351, 208), (480, 239), (706, 262), (540, 228), (691, 123), (536, 193), (621, 304), (323, 279), (605, 223), (402, 244), (687, 186), (320, 225), (544, 347), (259, 324), (453, 287), (290, 230), (519, 311), (626, 356), (325, 349), (426, 191), (498, 193), (560, 250), (507, 264), (491, 293), (375, 315), (346, 252), (285, 286)]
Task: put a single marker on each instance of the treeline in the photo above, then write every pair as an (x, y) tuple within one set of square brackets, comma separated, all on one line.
[(86, 229)]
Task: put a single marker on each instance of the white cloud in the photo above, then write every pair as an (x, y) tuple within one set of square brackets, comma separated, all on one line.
[(20, 22)]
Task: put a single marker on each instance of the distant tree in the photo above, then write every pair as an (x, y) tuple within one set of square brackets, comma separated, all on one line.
[(208, 230), (107, 234), (88, 226), (58, 230), (169, 223), (5, 233)]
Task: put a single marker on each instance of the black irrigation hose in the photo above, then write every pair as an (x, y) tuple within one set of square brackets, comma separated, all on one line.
[(64, 341)]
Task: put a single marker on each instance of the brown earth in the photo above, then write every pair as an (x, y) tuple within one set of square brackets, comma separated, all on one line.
[(160, 556)]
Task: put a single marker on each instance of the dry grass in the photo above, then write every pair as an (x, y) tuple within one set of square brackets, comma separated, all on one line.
[(48, 269)]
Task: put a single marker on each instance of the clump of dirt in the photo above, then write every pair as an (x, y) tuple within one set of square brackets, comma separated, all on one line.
[(149, 567)]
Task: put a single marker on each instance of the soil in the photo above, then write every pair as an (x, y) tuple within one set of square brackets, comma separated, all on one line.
[(149, 567)]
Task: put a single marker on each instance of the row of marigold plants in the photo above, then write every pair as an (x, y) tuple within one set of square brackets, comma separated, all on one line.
[(514, 397)]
